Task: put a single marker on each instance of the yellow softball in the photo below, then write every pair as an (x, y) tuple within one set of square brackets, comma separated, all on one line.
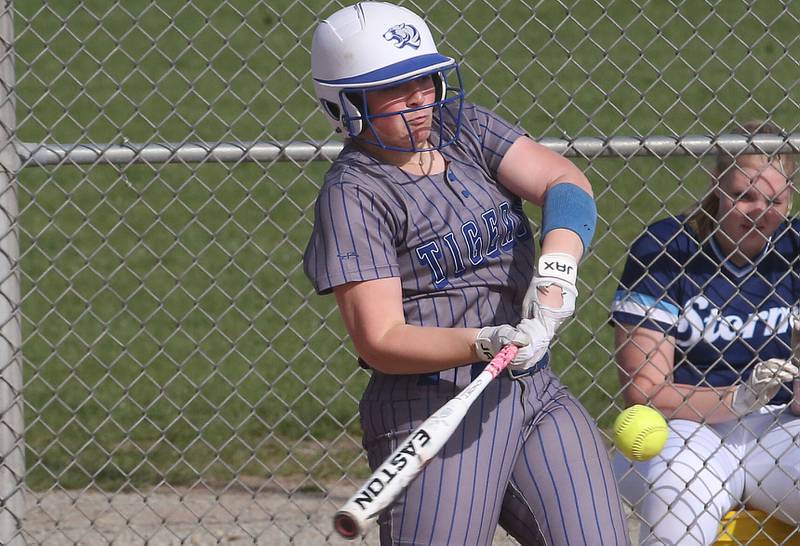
[(640, 432)]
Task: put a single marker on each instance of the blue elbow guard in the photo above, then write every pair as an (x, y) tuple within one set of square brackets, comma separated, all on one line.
[(566, 206)]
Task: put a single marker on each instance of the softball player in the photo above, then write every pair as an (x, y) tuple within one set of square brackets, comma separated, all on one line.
[(703, 335), (419, 232)]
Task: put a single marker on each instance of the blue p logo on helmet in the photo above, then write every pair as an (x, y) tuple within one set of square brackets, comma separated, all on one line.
[(403, 35)]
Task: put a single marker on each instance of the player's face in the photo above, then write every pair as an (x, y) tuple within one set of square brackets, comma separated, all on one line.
[(407, 130), (754, 198)]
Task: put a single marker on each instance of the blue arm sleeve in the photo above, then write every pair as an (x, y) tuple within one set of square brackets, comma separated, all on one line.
[(566, 206)]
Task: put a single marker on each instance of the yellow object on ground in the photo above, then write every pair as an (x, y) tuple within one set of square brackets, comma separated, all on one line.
[(755, 528)]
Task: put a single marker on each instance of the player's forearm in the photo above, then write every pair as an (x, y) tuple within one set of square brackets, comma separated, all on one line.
[(675, 401), (647, 359), (563, 240), (407, 349)]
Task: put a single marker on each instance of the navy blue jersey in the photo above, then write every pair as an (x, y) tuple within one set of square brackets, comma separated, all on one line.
[(458, 240), (724, 318)]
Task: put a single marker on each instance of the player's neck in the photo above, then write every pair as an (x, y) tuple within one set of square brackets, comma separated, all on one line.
[(424, 163), (735, 253), (418, 163)]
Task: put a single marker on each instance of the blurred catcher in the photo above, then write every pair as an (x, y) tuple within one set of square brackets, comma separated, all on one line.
[(703, 321)]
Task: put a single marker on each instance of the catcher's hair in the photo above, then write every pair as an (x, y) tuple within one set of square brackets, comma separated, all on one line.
[(701, 217)]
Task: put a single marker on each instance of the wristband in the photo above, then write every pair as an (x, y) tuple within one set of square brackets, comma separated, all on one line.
[(557, 265)]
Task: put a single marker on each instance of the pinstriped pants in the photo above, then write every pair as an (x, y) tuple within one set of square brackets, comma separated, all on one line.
[(527, 456)]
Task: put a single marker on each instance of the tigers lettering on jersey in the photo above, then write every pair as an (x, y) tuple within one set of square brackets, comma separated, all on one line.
[(475, 242)]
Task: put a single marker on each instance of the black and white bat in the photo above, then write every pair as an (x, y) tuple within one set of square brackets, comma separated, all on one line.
[(408, 460)]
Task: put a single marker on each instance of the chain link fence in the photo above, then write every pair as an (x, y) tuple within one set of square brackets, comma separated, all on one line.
[(179, 381)]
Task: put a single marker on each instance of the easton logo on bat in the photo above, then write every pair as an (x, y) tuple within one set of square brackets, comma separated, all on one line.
[(397, 463)]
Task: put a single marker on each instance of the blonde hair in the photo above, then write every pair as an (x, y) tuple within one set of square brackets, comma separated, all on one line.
[(702, 216)]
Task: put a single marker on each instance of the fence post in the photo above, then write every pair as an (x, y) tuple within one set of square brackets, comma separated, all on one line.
[(12, 446)]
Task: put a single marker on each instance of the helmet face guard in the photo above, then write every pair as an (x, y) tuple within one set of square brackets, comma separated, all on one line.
[(447, 108)]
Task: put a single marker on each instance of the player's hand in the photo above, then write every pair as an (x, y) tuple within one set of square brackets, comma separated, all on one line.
[(493, 338), (541, 334), (557, 270), (762, 385)]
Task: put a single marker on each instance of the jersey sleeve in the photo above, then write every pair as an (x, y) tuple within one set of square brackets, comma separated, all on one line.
[(352, 238), (494, 135), (647, 293)]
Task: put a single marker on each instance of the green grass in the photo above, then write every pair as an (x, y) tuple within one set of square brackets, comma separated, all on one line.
[(169, 332)]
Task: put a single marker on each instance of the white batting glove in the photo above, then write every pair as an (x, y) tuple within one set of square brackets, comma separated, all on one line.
[(762, 385), (493, 338), (541, 334), (553, 269)]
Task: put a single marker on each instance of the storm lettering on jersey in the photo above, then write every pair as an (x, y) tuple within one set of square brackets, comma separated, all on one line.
[(703, 320), (473, 243)]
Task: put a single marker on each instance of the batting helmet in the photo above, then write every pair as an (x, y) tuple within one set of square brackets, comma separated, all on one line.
[(374, 45)]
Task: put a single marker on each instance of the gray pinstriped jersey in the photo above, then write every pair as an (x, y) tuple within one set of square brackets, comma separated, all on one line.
[(527, 456), (458, 240)]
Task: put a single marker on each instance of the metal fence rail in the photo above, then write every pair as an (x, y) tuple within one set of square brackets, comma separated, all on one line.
[(180, 382), (234, 152)]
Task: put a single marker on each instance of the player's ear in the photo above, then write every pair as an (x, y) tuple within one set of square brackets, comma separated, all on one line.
[(439, 86)]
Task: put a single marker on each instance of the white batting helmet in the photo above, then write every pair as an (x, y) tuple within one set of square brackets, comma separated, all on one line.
[(373, 45)]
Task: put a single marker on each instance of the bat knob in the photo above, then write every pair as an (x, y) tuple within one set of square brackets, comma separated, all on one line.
[(345, 524)]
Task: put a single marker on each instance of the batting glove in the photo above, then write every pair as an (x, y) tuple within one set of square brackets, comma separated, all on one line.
[(553, 269), (762, 385), (493, 338), (541, 334)]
